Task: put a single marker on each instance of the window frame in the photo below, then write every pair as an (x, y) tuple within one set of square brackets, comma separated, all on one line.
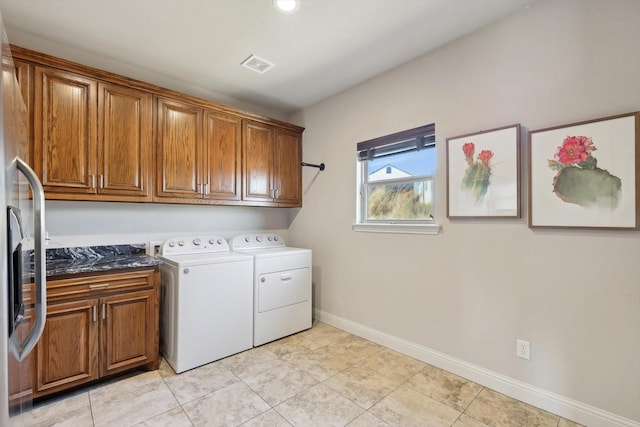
[(422, 138)]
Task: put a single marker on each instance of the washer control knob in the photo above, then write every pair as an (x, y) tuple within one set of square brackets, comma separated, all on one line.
[(262, 279), (185, 271), (219, 241), (172, 243), (180, 242), (259, 238), (269, 238), (212, 241), (197, 242), (275, 238), (246, 239)]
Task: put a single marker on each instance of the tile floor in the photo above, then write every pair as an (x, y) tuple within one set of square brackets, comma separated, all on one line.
[(320, 377)]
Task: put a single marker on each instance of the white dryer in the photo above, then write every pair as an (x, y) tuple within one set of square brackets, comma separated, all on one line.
[(206, 301), (281, 286)]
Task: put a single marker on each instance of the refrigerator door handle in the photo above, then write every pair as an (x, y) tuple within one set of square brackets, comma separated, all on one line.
[(21, 350)]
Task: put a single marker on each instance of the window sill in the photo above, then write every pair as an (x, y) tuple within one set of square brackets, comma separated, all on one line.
[(398, 228)]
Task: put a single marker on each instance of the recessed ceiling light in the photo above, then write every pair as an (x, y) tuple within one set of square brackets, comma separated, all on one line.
[(286, 6), (257, 64)]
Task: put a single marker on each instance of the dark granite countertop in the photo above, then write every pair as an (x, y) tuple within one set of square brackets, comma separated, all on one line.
[(90, 259)]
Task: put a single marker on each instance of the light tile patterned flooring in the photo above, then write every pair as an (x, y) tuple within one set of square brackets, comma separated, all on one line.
[(320, 377)]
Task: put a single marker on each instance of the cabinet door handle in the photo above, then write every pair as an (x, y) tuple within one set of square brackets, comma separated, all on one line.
[(103, 311), (95, 313), (93, 181), (206, 189), (98, 286), (101, 179), (200, 188)]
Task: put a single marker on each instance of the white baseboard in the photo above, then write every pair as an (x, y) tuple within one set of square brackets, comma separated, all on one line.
[(538, 397)]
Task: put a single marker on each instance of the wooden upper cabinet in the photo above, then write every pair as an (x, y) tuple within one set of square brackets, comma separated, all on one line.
[(24, 75), (198, 155), (257, 145), (222, 145), (287, 165), (94, 135), (125, 141), (65, 131), (92, 140), (272, 165), (179, 155)]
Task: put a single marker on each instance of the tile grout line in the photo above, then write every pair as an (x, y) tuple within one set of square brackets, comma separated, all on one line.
[(467, 407), (186, 414)]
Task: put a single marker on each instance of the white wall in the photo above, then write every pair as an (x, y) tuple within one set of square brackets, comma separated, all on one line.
[(156, 77), (91, 223), (472, 290)]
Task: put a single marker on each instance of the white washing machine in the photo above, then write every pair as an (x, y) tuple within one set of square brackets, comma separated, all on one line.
[(281, 286), (206, 302)]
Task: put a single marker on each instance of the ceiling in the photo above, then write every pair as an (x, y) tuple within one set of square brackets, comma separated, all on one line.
[(322, 49)]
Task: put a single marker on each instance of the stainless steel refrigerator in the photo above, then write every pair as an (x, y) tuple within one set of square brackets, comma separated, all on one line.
[(22, 263)]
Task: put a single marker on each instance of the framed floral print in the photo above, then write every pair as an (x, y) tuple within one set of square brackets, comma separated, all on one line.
[(585, 175), (483, 174)]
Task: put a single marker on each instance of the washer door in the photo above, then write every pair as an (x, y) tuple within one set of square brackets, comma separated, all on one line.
[(283, 288)]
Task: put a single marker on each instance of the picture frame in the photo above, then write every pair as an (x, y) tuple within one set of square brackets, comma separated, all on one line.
[(585, 174), (483, 174)]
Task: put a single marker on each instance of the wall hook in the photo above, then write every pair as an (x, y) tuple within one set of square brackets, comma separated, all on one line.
[(320, 166)]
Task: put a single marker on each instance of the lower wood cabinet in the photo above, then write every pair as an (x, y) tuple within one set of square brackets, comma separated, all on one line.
[(127, 334), (21, 374), (97, 325), (67, 354)]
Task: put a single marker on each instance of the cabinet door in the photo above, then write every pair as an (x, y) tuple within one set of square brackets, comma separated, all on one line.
[(257, 146), (287, 168), (65, 129), (24, 75), (128, 330), (21, 373), (222, 145), (124, 142), (179, 150), (67, 353)]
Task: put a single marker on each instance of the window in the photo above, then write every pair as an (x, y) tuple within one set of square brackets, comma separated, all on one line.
[(396, 181)]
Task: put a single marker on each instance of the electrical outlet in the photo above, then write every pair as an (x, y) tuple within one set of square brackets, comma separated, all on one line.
[(153, 248), (523, 349)]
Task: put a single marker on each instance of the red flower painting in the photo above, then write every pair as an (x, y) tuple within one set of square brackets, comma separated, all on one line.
[(579, 180), (574, 150), (476, 177)]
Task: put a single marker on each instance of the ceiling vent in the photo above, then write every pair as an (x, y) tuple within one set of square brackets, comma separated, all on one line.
[(257, 64)]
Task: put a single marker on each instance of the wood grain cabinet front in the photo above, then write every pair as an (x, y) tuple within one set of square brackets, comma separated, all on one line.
[(98, 325), (103, 137), (272, 165), (94, 139), (125, 143), (198, 156), (21, 373), (67, 354), (127, 331)]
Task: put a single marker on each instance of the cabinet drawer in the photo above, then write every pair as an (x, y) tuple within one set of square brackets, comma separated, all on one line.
[(98, 284)]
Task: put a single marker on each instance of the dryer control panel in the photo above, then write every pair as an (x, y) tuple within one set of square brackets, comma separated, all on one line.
[(256, 241), (194, 245)]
